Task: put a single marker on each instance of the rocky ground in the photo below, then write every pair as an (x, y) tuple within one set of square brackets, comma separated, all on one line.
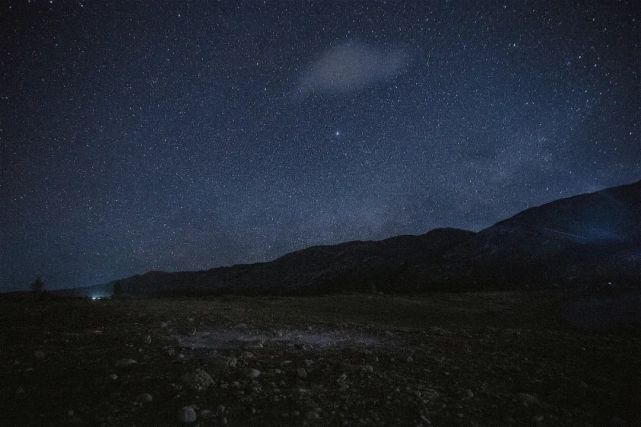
[(442, 359)]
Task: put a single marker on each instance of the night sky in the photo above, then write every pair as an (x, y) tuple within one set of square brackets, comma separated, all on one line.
[(167, 135)]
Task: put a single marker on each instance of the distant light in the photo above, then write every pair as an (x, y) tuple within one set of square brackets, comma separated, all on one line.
[(94, 298), (337, 133)]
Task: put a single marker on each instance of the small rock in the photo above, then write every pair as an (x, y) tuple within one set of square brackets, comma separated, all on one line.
[(368, 368), (198, 380), (187, 415), (302, 373), (145, 398), (313, 415), (528, 399), (147, 339), (231, 362), (438, 330), (125, 363), (39, 354), (617, 422), (253, 373), (469, 393), (113, 377)]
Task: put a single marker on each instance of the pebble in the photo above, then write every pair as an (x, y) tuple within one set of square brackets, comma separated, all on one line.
[(187, 415), (39, 354), (124, 363), (528, 399), (253, 373), (368, 368), (198, 380), (231, 362), (617, 422), (145, 398), (302, 373)]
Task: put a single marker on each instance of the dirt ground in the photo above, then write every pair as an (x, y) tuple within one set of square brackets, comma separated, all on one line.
[(442, 359)]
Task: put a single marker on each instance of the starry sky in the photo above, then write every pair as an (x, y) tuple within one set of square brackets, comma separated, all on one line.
[(180, 135)]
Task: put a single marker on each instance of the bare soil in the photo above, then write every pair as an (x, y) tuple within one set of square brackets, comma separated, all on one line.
[(467, 359)]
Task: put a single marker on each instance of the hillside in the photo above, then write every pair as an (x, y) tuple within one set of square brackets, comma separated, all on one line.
[(590, 239), (351, 266), (587, 240)]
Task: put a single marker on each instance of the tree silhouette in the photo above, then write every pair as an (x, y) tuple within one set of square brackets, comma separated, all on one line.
[(38, 285)]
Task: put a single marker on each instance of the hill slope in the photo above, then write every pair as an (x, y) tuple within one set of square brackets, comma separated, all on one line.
[(590, 239), (358, 265)]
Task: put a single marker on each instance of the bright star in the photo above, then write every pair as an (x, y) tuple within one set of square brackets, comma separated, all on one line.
[(337, 133)]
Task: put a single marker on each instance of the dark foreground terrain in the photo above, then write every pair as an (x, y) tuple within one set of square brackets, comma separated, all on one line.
[(441, 359)]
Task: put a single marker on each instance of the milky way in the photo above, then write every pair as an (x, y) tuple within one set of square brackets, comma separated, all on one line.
[(140, 136)]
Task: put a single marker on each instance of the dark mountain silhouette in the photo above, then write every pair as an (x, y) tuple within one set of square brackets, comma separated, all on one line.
[(587, 240), (351, 266), (590, 239)]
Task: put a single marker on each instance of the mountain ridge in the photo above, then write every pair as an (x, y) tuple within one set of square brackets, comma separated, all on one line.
[(588, 239)]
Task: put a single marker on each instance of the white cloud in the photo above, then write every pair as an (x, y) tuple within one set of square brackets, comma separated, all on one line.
[(351, 66)]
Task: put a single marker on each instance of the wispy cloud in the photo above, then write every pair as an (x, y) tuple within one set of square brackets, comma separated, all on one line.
[(350, 66)]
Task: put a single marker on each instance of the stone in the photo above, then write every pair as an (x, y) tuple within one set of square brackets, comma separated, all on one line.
[(617, 422), (145, 398), (253, 373), (125, 363), (231, 362), (368, 369), (187, 415), (528, 399), (198, 380)]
